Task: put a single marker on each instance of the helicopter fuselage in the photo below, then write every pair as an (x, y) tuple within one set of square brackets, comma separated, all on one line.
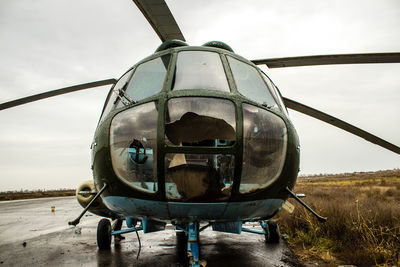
[(195, 133)]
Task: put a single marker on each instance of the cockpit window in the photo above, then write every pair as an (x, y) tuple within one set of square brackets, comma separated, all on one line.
[(114, 94), (264, 148), (199, 177), (275, 92), (148, 79), (200, 70), (250, 84), (133, 146), (200, 121)]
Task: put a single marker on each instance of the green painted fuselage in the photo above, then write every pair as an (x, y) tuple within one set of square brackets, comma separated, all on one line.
[(158, 177)]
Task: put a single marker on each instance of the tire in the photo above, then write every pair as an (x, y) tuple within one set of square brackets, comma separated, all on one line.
[(104, 234), (273, 232)]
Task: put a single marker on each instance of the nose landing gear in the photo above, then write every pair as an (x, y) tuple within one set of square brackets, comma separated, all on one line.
[(188, 247), (104, 234)]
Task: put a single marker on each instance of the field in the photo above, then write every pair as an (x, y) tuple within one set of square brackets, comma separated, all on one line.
[(363, 226), (14, 195), (363, 211)]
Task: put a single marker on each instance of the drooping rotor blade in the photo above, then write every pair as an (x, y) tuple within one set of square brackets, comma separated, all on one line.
[(61, 91), (340, 124), (160, 18), (329, 60)]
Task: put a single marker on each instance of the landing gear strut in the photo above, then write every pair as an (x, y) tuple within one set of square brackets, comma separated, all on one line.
[(193, 243), (188, 247)]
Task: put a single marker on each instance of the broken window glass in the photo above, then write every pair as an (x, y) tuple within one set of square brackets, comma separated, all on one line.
[(200, 121)]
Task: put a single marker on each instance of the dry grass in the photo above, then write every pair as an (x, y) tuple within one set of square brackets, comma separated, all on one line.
[(363, 226)]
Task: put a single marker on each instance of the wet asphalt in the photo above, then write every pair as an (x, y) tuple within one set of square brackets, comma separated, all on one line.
[(31, 234)]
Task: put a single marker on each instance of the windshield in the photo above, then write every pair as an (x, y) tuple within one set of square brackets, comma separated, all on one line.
[(112, 98), (200, 121), (200, 70), (250, 84), (275, 91), (147, 80)]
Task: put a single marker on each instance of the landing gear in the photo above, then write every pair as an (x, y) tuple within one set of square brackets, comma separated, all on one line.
[(272, 236), (181, 248), (116, 226), (193, 244), (104, 234), (270, 230), (188, 247)]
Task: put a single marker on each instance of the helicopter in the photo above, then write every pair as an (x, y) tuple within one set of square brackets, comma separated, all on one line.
[(203, 145)]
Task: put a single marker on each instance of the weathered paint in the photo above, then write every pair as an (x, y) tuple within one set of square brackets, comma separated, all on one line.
[(185, 212)]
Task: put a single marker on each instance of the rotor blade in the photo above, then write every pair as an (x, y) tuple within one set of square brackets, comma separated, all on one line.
[(160, 18), (340, 124), (61, 91), (329, 60)]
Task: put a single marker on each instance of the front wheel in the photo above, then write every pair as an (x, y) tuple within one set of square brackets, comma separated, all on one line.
[(104, 234)]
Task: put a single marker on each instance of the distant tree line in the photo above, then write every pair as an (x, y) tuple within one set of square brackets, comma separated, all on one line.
[(381, 173)]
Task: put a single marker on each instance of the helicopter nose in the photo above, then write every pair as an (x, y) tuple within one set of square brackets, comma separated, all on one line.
[(200, 147)]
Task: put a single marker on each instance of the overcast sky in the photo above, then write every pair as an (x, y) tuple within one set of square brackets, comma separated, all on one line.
[(47, 44)]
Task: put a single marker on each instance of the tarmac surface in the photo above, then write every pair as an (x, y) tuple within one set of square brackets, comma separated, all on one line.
[(31, 234)]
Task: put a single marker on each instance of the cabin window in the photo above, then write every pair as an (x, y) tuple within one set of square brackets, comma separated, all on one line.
[(112, 98), (200, 70), (250, 84), (199, 177), (274, 91), (264, 148), (133, 146), (148, 79), (200, 121)]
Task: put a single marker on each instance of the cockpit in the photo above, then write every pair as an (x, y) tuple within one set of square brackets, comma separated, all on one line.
[(196, 124)]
